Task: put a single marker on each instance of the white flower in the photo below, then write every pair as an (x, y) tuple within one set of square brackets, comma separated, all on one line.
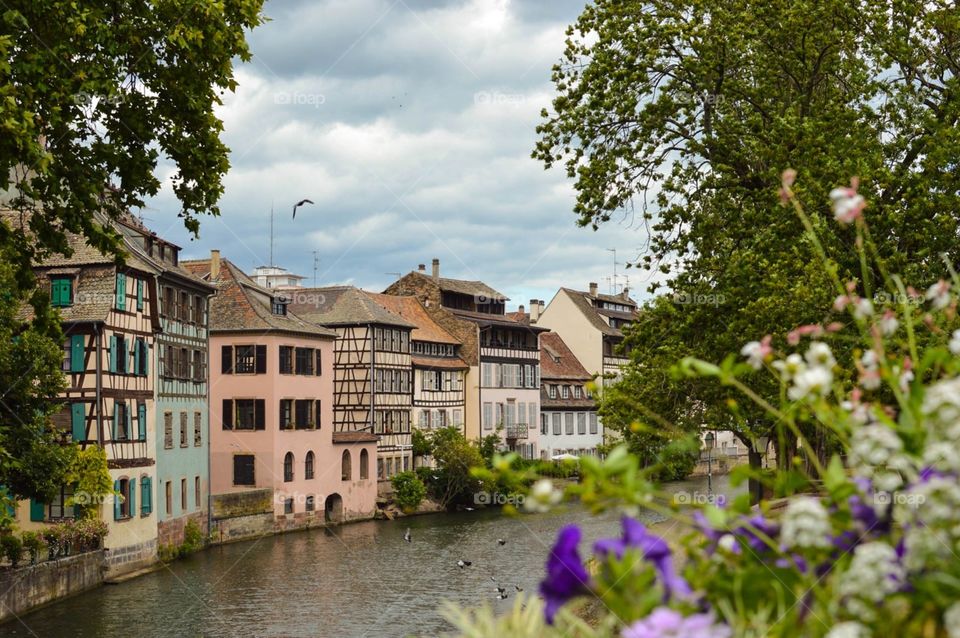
[(727, 542), (542, 497), (922, 546), (873, 445), (811, 382), (847, 204), (951, 620), (943, 456), (805, 524), (756, 352), (939, 295), (863, 308), (870, 360), (932, 504), (889, 323), (905, 379), (955, 342), (819, 354), (874, 573), (849, 629), (790, 367)]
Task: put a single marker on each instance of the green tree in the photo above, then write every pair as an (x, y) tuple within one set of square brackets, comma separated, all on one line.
[(90, 477), (34, 461), (454, 456), (93, 92), (408, 490), (683, 114)]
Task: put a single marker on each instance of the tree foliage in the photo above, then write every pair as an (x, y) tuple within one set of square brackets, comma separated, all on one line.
[(90, 476), (452, 481), (408, 490), (683, 114), (92, 93)]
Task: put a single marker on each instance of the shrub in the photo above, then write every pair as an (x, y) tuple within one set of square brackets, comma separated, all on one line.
[(87, 534), (408, 490), (12, 548), (193, 539), (33, 544)]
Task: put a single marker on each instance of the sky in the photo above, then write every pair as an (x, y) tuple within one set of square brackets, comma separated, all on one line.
[(410, 124)]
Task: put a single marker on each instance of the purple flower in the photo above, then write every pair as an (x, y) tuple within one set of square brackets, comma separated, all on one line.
[(750, 531), (864, 512), (664, 622), (566, 575), (653, 548)]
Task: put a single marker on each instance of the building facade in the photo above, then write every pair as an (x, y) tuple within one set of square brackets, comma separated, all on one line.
[(271, 409), (568, 413)]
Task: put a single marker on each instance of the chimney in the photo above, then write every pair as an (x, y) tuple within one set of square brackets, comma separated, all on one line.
[(214, 265), (534, 310), (436, 269), (521, 310), (422, 268), (540, 306), (593, 289), (626, 292)]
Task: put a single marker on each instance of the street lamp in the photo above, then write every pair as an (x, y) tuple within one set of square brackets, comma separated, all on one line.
[(760, 447), (708, 441)]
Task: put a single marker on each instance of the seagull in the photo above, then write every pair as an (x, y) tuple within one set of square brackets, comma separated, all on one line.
[(299, 204), (500, 541), (407, 537), (463, 563), (518, 587), (502, 596), (501, 590)]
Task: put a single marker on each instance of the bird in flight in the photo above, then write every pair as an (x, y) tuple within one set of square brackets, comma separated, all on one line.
[(500, 541), (463, 563), (299, 204), (406, 536)]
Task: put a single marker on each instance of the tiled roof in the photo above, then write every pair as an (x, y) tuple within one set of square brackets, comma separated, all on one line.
[(240, 305), (582, 301), (485, 319), (519, 317), (342, 306), (133, 231), (464, 287), (410, 308), (557, 361), (440, 363), (354, 437)]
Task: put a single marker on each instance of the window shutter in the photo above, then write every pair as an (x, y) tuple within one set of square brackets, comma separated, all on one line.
[(76, 353), (226, 359), (116, 500), (121, 291), (116, 420), (113, 353), (261, 357), (129, 417), (319, 363), (142, 421), (145, 357), (37, 510), (136, 356), (227, 414), (78, 422), (317, 412), (146, 495), (259, 416), (132, 488), (139, 294)]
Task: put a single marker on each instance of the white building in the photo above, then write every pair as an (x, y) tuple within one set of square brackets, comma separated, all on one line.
[(275, 277), (568, 414)]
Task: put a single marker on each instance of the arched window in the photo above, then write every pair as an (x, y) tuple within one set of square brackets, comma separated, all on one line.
[(308, 466), (364, 465), (346, 472), (288, 467)]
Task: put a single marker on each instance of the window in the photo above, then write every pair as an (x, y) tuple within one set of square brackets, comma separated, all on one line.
[(310, 503), (439, 418), (243, 471), (184, 314), (364, 465), (197, 429), (380, 471), (576, 392), (544, 425), (568, 422), (308, 466), (286, 360), (532, 414), (196, 491), (487, 369), (243, 414), (146, 495), (168, 497), (183, 495), (288, 467), (581, 423), (304, 361), (487, 416), (510, 375), (199, 307), (61, 291), (199, 366), (246, 359), (141, 357), (121, 508), (593, 423), (565, 391), (121, 291), (278, 307), (557, 427), (511, 414), (318, 368), (139, 295), (457, 417), (286, 414), (183, 364), (168, 430), (303, 412), (424, 419), (288, 506), (58, 508), (346, 472), (183, 429), (552, 391), (121, 422)]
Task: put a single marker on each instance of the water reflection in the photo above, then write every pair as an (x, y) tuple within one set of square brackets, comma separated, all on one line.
[(357, 580)]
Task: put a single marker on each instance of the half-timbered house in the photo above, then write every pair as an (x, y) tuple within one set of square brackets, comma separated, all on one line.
[(373, 390), (568, 412), (272, 412)]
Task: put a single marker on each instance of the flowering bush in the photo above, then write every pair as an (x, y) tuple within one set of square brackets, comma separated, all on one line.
[(867, 540)]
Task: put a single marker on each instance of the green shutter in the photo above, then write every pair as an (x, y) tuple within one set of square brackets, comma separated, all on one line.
[(129, 415), (113, 353), (37, 510), (121, 291), (76, 353), (145, 357), (146, 496), (136, 356), (132, 488), (116, 421), (116, 500), (78, 421), (142, 420), (139, 294)]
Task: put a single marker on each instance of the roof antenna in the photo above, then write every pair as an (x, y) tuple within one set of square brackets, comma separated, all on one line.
[(271, 233), (316, 266)]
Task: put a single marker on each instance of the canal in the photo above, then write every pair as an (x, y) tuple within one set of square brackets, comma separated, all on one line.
[(356, 580)]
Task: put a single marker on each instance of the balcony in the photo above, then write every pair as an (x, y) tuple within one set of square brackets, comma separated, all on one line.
[(518, 431)]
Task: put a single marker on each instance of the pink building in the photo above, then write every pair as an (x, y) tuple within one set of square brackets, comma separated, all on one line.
[(272, 440)]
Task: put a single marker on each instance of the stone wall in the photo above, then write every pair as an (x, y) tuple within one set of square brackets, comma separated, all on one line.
[(171, 532), (28, 587), (130, 558)]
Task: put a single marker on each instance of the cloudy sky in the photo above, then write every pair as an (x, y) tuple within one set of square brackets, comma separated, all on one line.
[(410, 124)]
